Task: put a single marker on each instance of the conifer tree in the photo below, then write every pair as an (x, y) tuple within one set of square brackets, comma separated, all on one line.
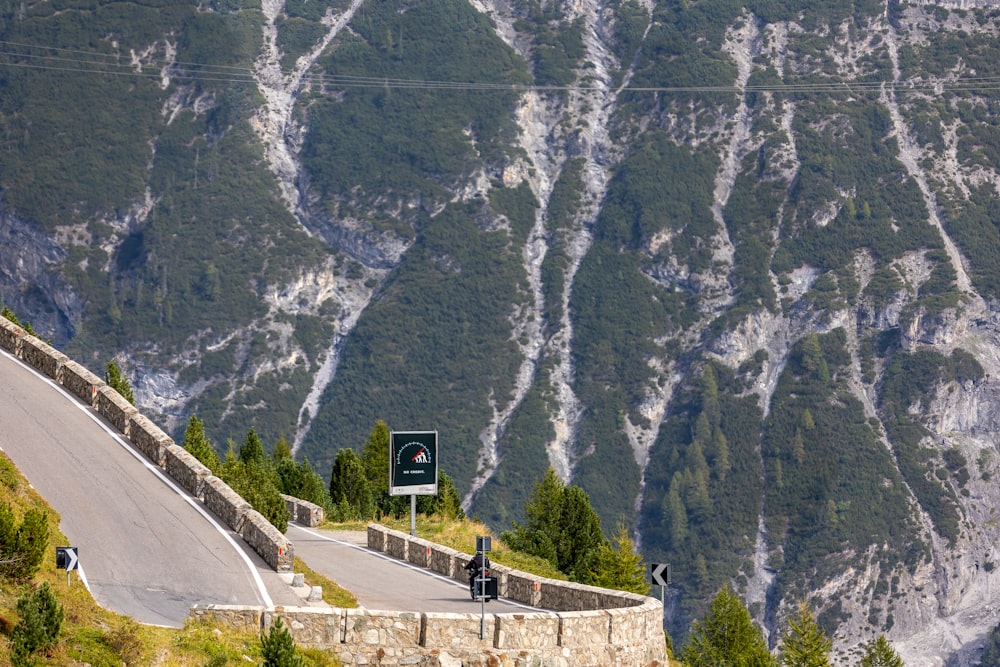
[(879, 653), (278, 647), (350, 490), (804, 643), (198, 444), (253, 448), (41, 618), (620, 567), (118, 381), (726, 637)]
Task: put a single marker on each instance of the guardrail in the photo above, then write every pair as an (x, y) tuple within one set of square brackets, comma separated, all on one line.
[(276, 549)]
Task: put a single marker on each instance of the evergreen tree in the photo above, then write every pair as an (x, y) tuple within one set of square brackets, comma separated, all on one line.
[(350, 490), (198, 444), (41, 618), (726, 637), (117, 380), (282, 450), (278, 647), (620, 567), (253, 448), (22, 547), (446, 502), (375, 457), (541, 531), (804, 643), (879, 653), (580, 536)]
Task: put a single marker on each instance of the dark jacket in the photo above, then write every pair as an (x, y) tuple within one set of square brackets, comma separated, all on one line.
[(475, 564)]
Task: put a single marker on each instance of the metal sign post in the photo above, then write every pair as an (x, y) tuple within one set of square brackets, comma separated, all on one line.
[(483, 547), (67, 558), (660, 573)]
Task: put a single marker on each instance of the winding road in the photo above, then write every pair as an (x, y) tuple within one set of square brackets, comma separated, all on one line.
[(149, 550)]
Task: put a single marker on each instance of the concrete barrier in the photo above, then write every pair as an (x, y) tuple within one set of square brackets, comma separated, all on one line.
[(80, 382), (10, 336), (186, 470), (114, 408), (225, 503), (42, 356), (149, 439)]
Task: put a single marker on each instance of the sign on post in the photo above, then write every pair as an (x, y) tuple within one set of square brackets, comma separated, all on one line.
[(660, 573), (413, 464), (67, 558)]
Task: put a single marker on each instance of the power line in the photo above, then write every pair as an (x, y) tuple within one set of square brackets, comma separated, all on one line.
[(21, 55)]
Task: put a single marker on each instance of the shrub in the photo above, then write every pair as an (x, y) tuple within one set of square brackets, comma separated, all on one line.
[(41, 619)]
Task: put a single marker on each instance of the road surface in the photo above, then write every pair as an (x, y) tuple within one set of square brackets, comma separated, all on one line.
[(149, 550)]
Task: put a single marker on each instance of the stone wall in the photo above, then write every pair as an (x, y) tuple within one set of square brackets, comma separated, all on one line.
[(155, 445), (627, 631), (303, 511)]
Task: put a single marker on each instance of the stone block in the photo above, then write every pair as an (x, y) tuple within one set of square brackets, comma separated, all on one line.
[(269, 543), (10, 336), (225, 503), (392, 630), (524, 588), (186, 470), (303, 512), (80, 382), (447, 562), (524, 631), (149, 439), (42, 356), (397, 544), (418, 552), (584, 628), (458, 634), (114, 408), (239, 618), (376, 537), (310, 627)]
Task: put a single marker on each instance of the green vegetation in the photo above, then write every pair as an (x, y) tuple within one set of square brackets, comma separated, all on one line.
[(41, 618), (726, 636), (278, 647), (879, 653), (804, 643), (119, 381)]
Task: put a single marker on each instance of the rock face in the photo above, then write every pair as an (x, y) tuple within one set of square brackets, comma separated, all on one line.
[(730, 268)]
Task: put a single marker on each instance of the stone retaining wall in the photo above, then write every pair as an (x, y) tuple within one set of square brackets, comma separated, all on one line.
[(628, 632), (159, 448)]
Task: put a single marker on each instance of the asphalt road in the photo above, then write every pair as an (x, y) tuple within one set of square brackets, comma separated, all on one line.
[(149, 550), (146, 548), (382, 582)]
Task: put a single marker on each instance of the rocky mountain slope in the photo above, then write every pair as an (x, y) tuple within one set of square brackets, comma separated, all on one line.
[(730, 267)]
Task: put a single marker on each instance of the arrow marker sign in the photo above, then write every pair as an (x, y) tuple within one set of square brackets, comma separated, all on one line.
[(661, 573), (67, 558)]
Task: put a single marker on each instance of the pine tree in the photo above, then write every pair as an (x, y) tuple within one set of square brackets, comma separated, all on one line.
[(879, 653), (117, 380), (620, 567), (804, 643), (350, 490), (31, 543), (726, 637), (253, 448), (282, 450), (580, 536), (278, 647), (198, 444), (41, 618)]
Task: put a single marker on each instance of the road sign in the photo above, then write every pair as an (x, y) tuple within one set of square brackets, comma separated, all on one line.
[(413, 463), (484, 543), (661, 573), (67, 558)]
